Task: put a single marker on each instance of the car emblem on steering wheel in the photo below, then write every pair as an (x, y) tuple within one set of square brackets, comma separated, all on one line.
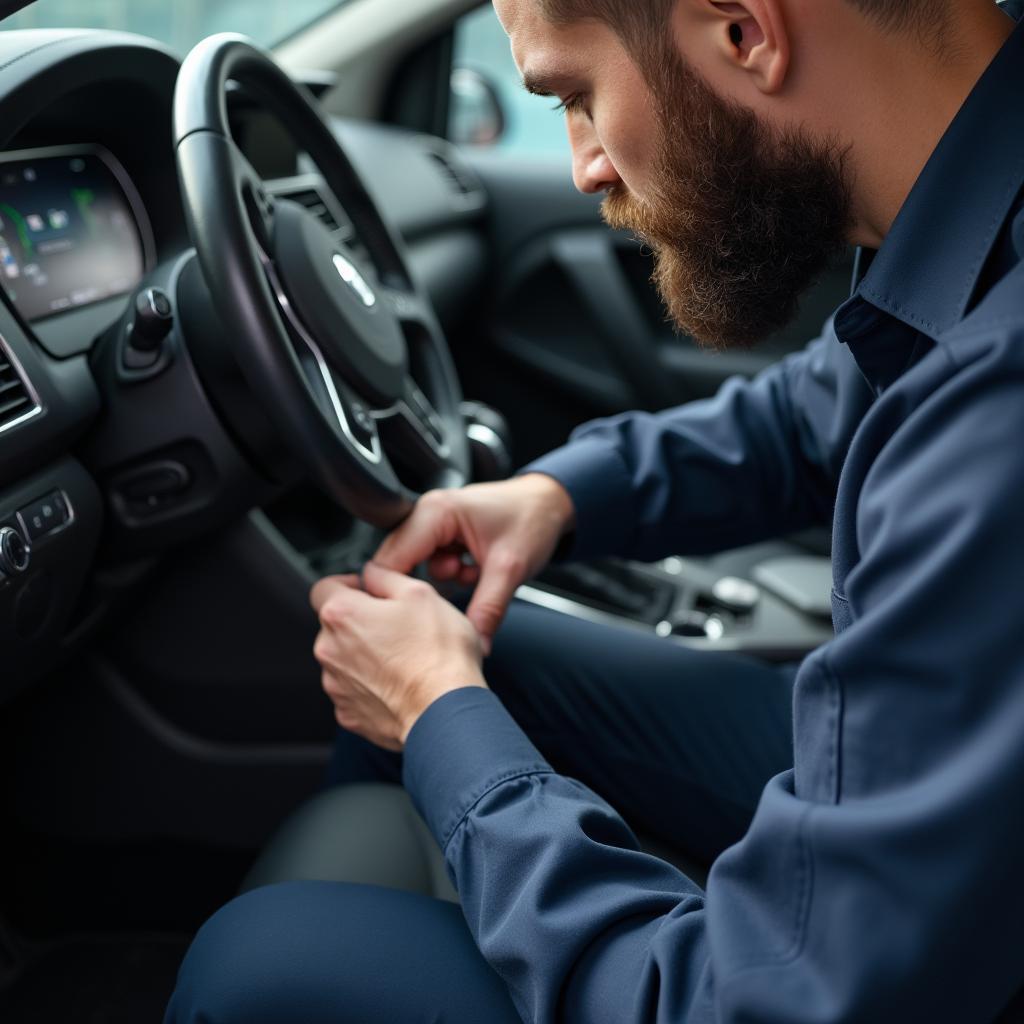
[(351, 276)]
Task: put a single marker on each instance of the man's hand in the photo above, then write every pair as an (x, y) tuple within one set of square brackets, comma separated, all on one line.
[(510, 529), (388, 653)]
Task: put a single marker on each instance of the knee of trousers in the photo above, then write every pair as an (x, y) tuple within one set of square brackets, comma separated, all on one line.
[(251, 961), (332, 953)]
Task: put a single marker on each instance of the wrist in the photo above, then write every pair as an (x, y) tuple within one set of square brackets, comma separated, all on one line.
[(556, 498), (419, 702)]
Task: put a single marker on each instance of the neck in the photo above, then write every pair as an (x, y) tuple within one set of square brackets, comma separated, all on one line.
[(912, 95)]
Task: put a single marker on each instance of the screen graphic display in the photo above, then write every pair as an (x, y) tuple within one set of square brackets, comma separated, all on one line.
[(68, 234)]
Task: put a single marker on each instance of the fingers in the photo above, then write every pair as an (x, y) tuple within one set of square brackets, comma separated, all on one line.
[(451, 565), (445, 566), (469, 575), (334, 596), (431, 527), (322, 591), (386, 583), (500, 577)]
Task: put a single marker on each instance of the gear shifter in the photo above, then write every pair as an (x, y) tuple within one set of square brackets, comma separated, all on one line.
[(489, 442)]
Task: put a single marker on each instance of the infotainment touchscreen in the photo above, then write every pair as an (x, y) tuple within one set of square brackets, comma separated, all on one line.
[(69, 233)]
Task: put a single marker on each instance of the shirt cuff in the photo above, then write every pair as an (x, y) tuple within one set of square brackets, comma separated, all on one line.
[(463, 746), (598, 481)]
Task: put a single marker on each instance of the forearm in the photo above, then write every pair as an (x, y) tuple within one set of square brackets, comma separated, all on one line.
[(553, 884), (758, 460)]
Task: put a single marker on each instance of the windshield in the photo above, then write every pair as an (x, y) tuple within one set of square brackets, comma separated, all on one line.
[(181, 23)]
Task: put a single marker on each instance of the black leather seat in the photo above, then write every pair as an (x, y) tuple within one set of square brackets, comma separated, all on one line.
[(368, 833), (371, 834)]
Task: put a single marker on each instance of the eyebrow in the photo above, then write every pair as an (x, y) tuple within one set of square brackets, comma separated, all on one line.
[(543, 83)]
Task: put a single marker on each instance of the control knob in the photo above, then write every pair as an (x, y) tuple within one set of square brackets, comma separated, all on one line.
[(14, 552), (154, 318), (736, 595)]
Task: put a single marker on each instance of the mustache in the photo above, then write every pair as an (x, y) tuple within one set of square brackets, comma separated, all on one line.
[(622, 211)]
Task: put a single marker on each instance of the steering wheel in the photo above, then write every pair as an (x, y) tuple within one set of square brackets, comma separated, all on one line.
[(344, 354)]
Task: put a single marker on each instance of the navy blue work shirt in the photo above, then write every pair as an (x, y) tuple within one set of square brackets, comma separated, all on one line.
[(882, 879)]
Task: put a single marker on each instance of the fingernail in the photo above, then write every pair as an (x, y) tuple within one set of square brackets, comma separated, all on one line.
[(485, 644)]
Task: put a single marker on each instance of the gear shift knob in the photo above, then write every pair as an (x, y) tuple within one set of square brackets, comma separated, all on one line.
[(489, 442)]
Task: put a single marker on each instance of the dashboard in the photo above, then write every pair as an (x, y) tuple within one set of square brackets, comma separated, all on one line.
[(105, 467)]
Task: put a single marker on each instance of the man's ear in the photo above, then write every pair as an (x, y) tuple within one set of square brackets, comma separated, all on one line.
[(751, 36)]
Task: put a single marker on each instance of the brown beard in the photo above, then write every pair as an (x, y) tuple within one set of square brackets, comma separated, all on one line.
[(741, 217)]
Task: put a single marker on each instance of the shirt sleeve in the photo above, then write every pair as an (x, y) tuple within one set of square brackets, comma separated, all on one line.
[(758, 460), (880, 879)]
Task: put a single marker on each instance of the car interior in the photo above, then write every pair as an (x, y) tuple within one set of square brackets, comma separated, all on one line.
[(254, 301)]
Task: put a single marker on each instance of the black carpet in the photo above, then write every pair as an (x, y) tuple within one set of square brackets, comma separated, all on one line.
[(100, 980)]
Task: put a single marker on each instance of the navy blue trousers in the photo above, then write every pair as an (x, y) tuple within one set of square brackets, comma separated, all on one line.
[(680, 742)]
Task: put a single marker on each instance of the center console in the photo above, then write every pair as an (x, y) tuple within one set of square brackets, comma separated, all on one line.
[(769, 600)]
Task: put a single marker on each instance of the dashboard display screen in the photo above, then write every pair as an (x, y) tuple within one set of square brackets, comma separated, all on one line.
[(69, 236)]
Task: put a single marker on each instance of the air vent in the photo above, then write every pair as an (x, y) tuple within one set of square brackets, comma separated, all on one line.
[(16, 401), (313, 201), (305, 193), (459, 180)]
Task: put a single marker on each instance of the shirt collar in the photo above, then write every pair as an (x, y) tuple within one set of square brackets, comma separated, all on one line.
[(928, 268)]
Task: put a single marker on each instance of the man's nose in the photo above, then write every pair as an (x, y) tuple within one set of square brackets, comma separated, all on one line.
[(592, 170)]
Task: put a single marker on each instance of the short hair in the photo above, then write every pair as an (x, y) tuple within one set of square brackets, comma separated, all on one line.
[(635, 20), (898, 14)]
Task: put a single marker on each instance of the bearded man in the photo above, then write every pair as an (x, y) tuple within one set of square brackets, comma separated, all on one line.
[(859, 808)]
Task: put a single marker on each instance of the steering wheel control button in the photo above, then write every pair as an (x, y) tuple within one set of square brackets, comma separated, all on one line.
[(45, 516), (14, 552), (361, 422), (361, 416), (736, 595)]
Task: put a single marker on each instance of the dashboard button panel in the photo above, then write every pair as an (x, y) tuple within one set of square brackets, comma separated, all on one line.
[(45, 516), (41, 607)]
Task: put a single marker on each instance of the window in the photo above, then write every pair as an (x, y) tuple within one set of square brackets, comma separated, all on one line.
[(180, 24), (531, 125)]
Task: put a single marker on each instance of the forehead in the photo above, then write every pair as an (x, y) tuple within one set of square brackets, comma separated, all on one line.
[(511, 13), (541, 48)]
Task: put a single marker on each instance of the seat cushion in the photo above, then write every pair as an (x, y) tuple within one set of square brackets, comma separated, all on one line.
[(371, 834), (368, 833)]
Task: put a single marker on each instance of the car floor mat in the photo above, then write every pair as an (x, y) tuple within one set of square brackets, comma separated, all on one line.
[(113, 979)]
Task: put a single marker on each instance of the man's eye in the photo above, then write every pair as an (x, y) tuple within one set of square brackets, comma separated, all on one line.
[(571, 105)]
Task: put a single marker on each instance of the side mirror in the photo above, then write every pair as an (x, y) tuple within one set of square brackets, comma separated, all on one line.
[(475, 115)]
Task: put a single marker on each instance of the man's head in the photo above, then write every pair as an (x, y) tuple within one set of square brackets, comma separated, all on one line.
[(734, 137)]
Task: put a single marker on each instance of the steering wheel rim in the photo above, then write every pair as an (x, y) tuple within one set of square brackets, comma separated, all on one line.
[(347, 360)]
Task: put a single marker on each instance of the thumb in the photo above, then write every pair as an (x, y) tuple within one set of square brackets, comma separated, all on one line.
[(430, 528), (387, 583), (324, 589), (500, 577)]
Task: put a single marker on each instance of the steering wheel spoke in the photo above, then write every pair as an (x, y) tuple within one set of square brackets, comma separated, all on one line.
[(416, 436), (347, 414)]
